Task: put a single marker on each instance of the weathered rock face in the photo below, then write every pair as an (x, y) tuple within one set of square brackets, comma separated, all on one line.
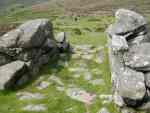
[(30, 45), (129, 44)]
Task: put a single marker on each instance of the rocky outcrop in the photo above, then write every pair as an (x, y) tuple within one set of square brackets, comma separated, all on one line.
[(129, 44), (25, 49)]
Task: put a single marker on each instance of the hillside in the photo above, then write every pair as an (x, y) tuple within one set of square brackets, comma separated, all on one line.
[(103, 7)]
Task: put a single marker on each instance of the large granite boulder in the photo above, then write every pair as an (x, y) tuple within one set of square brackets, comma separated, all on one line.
[(129, 55), (31, 44)]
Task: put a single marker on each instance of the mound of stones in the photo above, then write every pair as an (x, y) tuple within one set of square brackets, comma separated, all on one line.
[(25, 49), (129, 54)]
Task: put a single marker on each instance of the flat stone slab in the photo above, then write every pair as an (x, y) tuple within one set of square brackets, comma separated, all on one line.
[(35, 108), (29, 96), (80, 95), (12, 72)]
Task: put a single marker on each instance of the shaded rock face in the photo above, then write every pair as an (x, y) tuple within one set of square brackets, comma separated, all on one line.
[(129, 44), (31, 45)]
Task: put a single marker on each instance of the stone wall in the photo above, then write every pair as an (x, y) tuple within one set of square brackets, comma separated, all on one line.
[(129, 52)]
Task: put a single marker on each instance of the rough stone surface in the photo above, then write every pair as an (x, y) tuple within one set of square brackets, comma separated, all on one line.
[(129, 42), (131, 84), (9, 73), (30, 45), (63, 42)]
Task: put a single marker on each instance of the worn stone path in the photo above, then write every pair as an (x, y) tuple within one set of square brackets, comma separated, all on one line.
[(81, 54)]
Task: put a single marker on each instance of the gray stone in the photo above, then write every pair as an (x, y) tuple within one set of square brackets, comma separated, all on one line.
[(35, 108), (87, 76), (118, 100), (56, 80), (139, 39), (97, 82), (43, 85), (12, 71), (118, 43), (147, 79), (100, 57), (106, 99), (10, 39), (103, 110), (60, 88), (4, 59), (80, 95), (61, 37), (126, 21), (34, 33), (127, 110), (62, 41), (131, 84), (138, 57), (29, 96), (129, 42), (32, 44)]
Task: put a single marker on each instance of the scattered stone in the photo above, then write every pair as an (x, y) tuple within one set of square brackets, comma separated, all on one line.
[(87, 76), (78, 70), (35, 108), (69, 109), (106, 97), (99, 57), (43, 85), (80, 95), (56, 80), (97, 71), (97, 82), (29, 96), (76, 75), (60, 88), (103, 110), (87, 57), (76, 55)]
